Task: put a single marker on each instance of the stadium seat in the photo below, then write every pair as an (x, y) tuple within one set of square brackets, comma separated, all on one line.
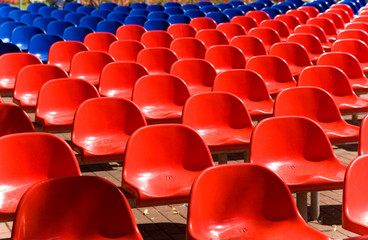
[(200, 23), (225, 57), (99, 41), (247, 22), (21, 36), (316, 31), (188, 47), (268, 36), (76, 33), (157, 60), (180, 30), (280, 27), (130, 32), (211, 37), (250, 46), (13, 119), (40, 44), (258, 15), (231, 30), (156, 38), (125, 50), (310, 42)]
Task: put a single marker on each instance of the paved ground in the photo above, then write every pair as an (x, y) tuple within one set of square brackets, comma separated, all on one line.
[(169, 222)]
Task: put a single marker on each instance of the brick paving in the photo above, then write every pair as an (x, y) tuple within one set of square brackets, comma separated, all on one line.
[(169, 221)]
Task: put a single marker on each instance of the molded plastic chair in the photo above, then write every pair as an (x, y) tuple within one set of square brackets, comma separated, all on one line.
[(209, 9), (301, 15), (363, 137), (194, 13), (107, 209), (139, 12), (102, 126), (219, 17), (310, 42), (357, 25), (108, 6), (172, 162), (135, 20), (247, 22), (16, 14), (40, 44), (178, 19), (291, 21), (86, 10), (294, 54), (157, 60), (221, 119), (265, 209), (130, 32), (280, 27), (349, 65), (198, 74), (188, 47), (13, 119), (74, 17), (180, 30), (361, 18), (125, 50), (43, 156), (72, 6), (232, 12), (61, 53), (211, 37), (267, 35), (59, 99), (5, 10), (156, 38), (58, 27), (318, 105), (161, 97), (21, 36), (189, 6), (122, 9), (249, 45), (173, 10), (76, 33), (327, 25), (117, 16), (90, 22), (231, 29), (156, 24), (109, 26), (59, 14), (342, 13), (28, 18), (100, 13), (118, 78), (99, 41), (14, 62), (258, 15), (274, 70), (200, 23), (355, 47), (88, 65), (155, 8), (335, 82), (225, 57), (43, 22), (353, 34), (344, 7), (8, 48), (249, 87), (272, 12), (317, 31), (172, 4), (354, 197), (336, 18)]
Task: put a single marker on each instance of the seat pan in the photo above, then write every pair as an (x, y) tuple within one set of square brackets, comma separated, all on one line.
[(340, 132), (274, 87), (162, 112), (27, 101), (259, 109), (7, 84), (351, 104), (359, 84), (364, 66), (119, 93), (62, 119), (193, 89)]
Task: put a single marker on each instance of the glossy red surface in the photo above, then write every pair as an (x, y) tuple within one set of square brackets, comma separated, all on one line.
[(157, 60), (130, 32), (250, 46), (247, 22), (310, 42), (211, 37), (301, 15), (353, 33), (363, 137), (345, 7), (257, 15), (125, 50), (312, 11), (231, 29), (200, 23), (99, 41), (225, 57), (269, 36), (317, 31), (327, 25), (13, 119), (290, 20), (278, 25), (188, 47), (180, 30), (336, 18), (156, 38)]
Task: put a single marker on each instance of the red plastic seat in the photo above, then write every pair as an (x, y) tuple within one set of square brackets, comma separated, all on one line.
[(12, 63), (312, 11), (250, 46), (354, 204), (130, 32), (327, 25), (310, 42), (363, 137), (336, 18), (211, 37), (318, 105), (278, 25), (249, 87), (274, 71), (125, 50), (231, 29), (188, 47), (13, 119), (180, 30), (221, 119), (267, 35), (198, 74), (118, 78), (301, 15), (290, 20), (294, 54), (355, 47), (99, 41), (200, 23), (349, 65), (353, 34), (317, 31), (59, 99), (29, 81), (344, 7), (28, 158), (335, 82), (265, 209), (258, 15), (225, 57), (357, 25), (102, 127), (361, 18), (157, 60), (61, 53), (342, 13), (156, 38), (88, 65), (247, 22), (52, 203)]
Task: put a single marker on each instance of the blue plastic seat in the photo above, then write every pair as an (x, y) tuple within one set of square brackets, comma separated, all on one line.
[(135, 20), (232, 12), (258, 5), (178, 18), (236, 3), (139, 12), (6, 30), (194, 13), (74, 17), (108, 6), (172, 4), (223, 6), (269, 3), (8, 48), (174, 10), (189, 6), (117, 16), (43, 22), (47, 10), (138, 5), (156, 24), (204, 3), (219, 17), (282, 7), (76, 33), (100, 13), (34, 7), (108, 26), (158, 15), (272, 12), (245, 8), (124, 9), (59, 14), (85, 9), (5, 19), (22, 35), (155, 8), (16, 14), (298, 3), (4, 11), (40, 44), (210, 8), (72, 6), (28, 18), (58, 27), (90, 21)]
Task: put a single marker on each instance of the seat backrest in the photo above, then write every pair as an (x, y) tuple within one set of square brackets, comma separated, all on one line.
[(107, 212), (354, 34), (291, 21), (90, 22), (180, 30), (246, 21), (130, 32), (200, 23), (109, 26), (58, 27), (280, 27), (293, 53), (100, 13), (40, 44), (74, 17), (355, 47), (76, 33), (249, 45), (312, 29), (156, 24), (357, 25), (125, 50), (336, 18), (117, 16), (178, 19), (59, 14), (345, 7), (218, 17), (363, 137), (86, 10), (43, 22), (28, 18), (211, 37), (309, 41), (21, 36), (231, 29), (108, 6), (268, 36), (135, 20), (157, 59), (99, 41), (225, 57), (325, 23), (156, 38), (342, 13), (258, 15), (301, 15), (6, 30), (13, 119), (188, 47), (194, 13)]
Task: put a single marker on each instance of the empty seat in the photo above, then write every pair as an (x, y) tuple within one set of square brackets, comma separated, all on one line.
[(109, 26), (117, 16), (194, 13), (158, 15), (336, 19), (72, 6), (14, 62), (363, 137), (13, 119), (188, 47), (21, 36), (40, 44), (156, 38), (198, 74), (100, 13), (99, 41), (249, 87), (161, 97), (258, 213), (172, 162), (249, 45), (211, 37), (118, 78), (225, 57), (291, 21), (58, 27), (310, 42), (6, 30), (43, 22), (353, 34), (317, 31), (274, 71), (258, 15), (318, 105), (61, 53), (180, 30), (156, 24), (59, 13), (29, 81), (268, 36), (301, 15), (88, 65), (90, 22), (102, 127), (130, 32), (327, 25), (74, 17), (76, 33), (280, 27), (247, 22), (135, 20), (218, 17), (345, 7), (108, 6), (357, 25), (125, 50), (59, 99), (342, 13), (231, 29), (17, 14), (28, 18), (157, 60), (86, 9), (43, 156), (200, 23), (178, 19)]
